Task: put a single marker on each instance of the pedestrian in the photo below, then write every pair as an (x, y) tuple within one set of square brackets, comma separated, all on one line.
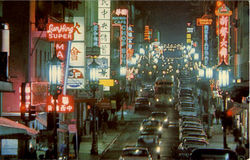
[(240, 150), (32, 154), (105, 116), (76, 143), (49, 154), (217, 115), (62, 149)]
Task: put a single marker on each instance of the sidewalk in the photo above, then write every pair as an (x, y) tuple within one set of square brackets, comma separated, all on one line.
[(216, 141), (104, 142)]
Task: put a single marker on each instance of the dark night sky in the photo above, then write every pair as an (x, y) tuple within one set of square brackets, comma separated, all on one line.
[(170, 17)]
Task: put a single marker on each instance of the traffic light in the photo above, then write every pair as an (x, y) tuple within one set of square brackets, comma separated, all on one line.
[(32, 113)]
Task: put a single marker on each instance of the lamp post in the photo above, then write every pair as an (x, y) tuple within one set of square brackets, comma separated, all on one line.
[(223, 77), (55, 83), (123, 84), (93, 80)]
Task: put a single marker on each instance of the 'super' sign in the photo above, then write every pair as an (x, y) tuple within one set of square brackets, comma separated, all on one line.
[(60, 31)]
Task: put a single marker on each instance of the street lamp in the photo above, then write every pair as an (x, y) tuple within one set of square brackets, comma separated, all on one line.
[(223, 78), (93, 81), (55, 83), (123, 83)]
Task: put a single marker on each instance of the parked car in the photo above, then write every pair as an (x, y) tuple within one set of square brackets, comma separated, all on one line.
[(142, 103), (135, 153), (151, 142), (187, 146), (187, 131), (149, 126), (211, 153), (187, 111), (161, 116)]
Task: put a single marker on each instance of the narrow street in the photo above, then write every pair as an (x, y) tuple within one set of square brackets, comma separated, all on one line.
[(131, 133)]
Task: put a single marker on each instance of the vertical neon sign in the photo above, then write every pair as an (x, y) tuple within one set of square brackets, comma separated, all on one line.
[(223, 28), (121, 17)]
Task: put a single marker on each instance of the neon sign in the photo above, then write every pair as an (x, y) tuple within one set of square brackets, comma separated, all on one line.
[(60, 31), (223, 14), (206, 45), (64, 104), (123, 20)]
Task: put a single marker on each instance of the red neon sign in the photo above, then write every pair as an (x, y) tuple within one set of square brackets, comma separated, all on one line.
[(223, 38), (60, 31), (61, 50), (64, 104)]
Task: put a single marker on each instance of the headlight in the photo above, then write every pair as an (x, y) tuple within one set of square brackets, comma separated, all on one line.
[(170, 99), (160, 129), (149, 103), (141, 128), (165, 120), (158, 149), (152, 119), (140, 90), (157, 99)]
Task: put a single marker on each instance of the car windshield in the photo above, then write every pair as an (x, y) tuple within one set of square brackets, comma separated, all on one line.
[(150, 123), (158, 115), (135, 152)]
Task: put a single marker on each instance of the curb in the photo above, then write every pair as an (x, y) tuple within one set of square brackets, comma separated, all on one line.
[(112, 142)]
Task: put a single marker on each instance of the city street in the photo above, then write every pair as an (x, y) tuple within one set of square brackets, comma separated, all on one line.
[(130, 134), (124, 79)]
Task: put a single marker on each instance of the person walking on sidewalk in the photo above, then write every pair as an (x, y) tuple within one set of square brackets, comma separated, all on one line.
[(105, 117), (76, 143)]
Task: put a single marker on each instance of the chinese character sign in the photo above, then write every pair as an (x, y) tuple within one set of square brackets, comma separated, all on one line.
[(223, 26), (64, 104)]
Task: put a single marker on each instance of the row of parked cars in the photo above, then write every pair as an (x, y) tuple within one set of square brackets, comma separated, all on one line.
[(191, 132), (148, 143)]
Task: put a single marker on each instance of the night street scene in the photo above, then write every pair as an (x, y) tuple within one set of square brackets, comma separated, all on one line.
[(124, 80)]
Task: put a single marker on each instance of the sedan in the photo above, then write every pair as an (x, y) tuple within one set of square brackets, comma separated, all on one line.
[(135, 153), (149, 126), (151, 142), (161, 116), (142, 103)]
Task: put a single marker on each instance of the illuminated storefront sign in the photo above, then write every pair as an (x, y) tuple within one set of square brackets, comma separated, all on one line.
[(206, 45), (64, 104), (96, 35), (223, 30), (76, 67), (60, 31), (61, 48), (204, 22), (121, 17), (104, 15), (130, 42), (147, 33)]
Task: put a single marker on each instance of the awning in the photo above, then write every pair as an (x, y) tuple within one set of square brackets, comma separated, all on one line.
[(9, 127), (6, 86)]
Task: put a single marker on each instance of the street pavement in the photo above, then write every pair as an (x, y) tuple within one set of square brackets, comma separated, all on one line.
[(216, 141), (105, 141)]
